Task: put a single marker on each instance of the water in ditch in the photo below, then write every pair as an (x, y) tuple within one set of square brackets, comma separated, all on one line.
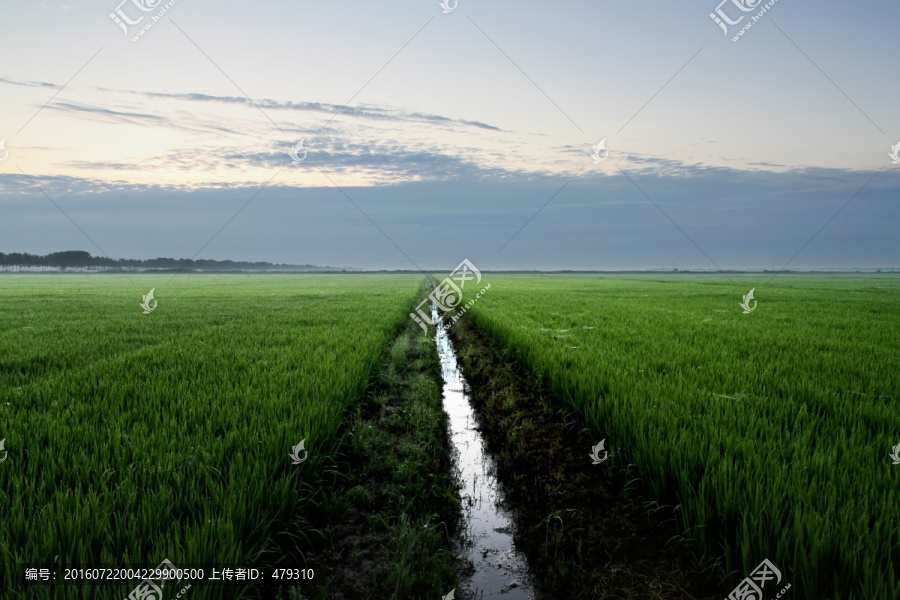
[(500, 571)]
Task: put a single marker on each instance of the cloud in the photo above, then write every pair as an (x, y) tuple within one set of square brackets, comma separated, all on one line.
[(108, 114), (740, 219), (379, 145), (144, 119), (362, 111), (8, 81), (389, 145)]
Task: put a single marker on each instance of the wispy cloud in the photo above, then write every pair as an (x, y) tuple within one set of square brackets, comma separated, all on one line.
[(45, 84), (363, 111)]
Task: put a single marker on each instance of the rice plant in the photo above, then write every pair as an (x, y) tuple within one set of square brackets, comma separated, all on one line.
[(134, 438), (771, 429)]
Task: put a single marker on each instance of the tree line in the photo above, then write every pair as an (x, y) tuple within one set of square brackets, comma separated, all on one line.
[(79, 259)]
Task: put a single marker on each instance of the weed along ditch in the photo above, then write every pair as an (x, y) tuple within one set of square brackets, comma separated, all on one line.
[(486, 539)]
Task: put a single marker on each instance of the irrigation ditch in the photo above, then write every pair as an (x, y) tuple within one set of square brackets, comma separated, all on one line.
[(458, 472), (587, 531), (494, 567)]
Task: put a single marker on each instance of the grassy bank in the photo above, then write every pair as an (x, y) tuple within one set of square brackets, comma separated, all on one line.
[(390, 506)]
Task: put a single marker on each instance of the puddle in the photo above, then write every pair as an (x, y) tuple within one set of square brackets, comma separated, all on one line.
[(500, 571)]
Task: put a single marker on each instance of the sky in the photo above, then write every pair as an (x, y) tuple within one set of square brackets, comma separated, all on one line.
[(432, 136)]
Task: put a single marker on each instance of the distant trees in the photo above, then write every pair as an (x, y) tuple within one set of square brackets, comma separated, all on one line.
[(70, 258), (79, 259)]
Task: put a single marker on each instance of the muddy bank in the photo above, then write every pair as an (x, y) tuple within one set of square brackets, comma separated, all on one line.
[(586, 529)]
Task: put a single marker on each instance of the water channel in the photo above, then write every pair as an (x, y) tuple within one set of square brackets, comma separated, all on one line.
[(500, 571)]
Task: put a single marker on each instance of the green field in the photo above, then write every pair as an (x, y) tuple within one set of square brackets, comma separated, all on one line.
[(133, 438), (771, 429)]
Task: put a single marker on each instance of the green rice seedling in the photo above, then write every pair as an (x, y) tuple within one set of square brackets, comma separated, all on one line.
[(134, 438), (771, 429)]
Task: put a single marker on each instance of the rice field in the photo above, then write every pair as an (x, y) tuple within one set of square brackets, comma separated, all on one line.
[(131, 438), (772, 429), (134, 438)]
